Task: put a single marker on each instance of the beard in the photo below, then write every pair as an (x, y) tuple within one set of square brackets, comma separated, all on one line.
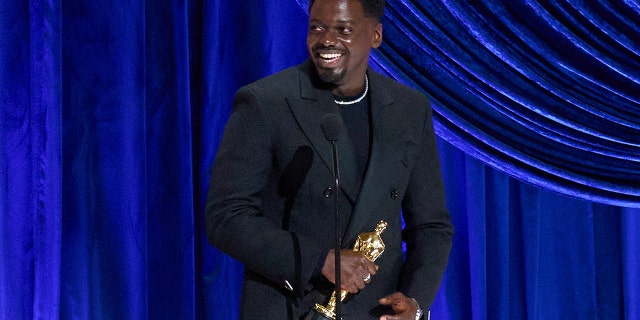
[(332, 76)]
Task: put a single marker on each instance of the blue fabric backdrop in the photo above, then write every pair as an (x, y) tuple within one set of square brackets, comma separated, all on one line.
[(112, 112)]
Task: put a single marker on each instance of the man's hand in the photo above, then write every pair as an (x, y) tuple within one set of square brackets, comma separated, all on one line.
[(403, 307), (356, 270)]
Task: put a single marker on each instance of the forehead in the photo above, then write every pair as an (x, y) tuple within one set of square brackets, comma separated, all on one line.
[(336, 9)]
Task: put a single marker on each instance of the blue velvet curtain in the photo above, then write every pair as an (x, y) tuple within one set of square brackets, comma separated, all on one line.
[(547, 91), (112, 112)]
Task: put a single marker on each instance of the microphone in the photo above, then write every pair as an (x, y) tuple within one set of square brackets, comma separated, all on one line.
[(331, 126)]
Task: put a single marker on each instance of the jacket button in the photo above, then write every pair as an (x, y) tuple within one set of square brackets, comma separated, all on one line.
[(328, 192), (394, 194)]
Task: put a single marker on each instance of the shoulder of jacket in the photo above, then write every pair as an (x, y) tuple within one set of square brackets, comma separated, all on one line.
[(397, 88), (281, 81)]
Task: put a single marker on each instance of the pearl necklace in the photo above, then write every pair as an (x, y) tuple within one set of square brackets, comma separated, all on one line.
[(366, 89)]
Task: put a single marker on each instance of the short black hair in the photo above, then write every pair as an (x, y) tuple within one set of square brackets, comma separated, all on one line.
[(372, 8)]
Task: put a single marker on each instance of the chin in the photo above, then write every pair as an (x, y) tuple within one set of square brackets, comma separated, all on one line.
[(331, 75)]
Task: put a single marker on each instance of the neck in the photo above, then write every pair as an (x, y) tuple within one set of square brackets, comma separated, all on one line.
[(350, 91), (354, 99)]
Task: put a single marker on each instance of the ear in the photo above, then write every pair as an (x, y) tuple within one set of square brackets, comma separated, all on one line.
[(377, 36)]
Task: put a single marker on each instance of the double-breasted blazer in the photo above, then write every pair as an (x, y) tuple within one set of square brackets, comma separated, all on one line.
[(271, 198)]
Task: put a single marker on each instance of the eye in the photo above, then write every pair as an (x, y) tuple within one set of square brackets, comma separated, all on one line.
[(345, 30), (315, 28)]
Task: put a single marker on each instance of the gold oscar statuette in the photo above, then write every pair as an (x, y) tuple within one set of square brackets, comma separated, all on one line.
[(368, 243)]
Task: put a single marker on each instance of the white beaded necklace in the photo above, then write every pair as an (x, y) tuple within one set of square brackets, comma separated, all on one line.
[(366, 89)]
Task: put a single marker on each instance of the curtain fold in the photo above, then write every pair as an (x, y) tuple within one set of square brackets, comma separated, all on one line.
[(30, 159), (535, 89), (531, 253), (169, 165), (112, 112), (105, 246)]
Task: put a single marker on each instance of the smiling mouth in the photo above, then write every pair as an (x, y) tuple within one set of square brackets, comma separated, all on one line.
[(329, 57)]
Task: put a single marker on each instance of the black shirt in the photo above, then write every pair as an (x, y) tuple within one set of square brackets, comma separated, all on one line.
[(357, 120)]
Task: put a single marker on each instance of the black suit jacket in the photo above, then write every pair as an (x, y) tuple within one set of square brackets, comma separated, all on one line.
[(270, 204)]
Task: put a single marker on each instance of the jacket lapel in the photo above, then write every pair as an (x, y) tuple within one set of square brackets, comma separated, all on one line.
[(377, 175), (314, 103)]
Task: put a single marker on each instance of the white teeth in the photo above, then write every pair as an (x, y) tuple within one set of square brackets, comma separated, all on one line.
[(329, 56)]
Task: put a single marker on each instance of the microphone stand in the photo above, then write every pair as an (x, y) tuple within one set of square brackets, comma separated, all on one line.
[(338, 245), (331, 126)]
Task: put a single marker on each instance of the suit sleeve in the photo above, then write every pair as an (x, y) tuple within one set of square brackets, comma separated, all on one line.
[(428, 230), (234, 219)]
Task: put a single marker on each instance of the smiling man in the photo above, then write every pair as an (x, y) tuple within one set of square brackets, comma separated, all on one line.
[(271, 201), (340, 38)]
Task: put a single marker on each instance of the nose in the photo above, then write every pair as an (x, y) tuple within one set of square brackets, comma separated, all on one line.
[(328, 39)]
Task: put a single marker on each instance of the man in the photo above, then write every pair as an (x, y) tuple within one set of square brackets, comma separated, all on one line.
[(271, 202)]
